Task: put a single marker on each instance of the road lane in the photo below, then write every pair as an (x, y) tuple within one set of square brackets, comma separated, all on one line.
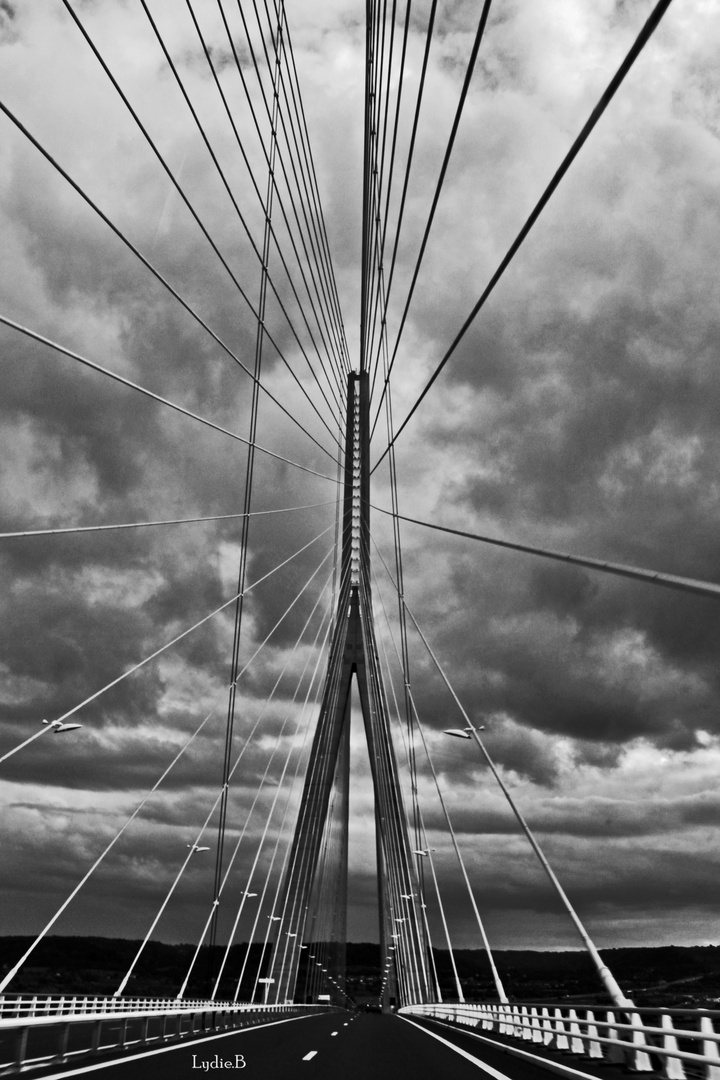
[(177, 1059), (517, 1058)]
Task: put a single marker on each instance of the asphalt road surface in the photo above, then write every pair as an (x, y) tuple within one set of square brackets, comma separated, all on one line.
[(339, 1046)]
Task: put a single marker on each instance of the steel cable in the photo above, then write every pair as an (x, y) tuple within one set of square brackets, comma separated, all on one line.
[(641, 40)]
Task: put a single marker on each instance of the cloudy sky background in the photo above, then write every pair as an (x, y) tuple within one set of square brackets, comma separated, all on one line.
[(580, 413)]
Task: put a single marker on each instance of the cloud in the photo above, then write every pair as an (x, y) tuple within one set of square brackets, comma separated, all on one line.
[(578, 413)]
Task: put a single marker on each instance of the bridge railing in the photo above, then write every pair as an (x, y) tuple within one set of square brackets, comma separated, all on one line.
[(44, 1030), (18, 1005), (43, 1004), (673, 1043)]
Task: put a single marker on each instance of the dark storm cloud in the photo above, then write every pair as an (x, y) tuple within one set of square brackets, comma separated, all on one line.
[(598, 433), (151, 852), (76, 646), (592, 816), (517, 904), (592, 660)]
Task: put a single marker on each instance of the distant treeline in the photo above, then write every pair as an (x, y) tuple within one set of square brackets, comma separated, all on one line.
[(94, 965)]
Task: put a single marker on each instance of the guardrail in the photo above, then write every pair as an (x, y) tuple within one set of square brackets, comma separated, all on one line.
[(674, 1043), (17, 1005), (39, 1031)]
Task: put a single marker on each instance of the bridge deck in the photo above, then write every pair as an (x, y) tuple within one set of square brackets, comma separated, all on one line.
[(359, 1047)]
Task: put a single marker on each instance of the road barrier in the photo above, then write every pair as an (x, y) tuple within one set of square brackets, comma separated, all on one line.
[(679, 1044), (40, 1031)]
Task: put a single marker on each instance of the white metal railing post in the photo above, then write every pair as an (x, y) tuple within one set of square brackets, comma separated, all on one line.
[(64, 1038), (525, 1023), (517, 1023), (710, 1050), (21, 1047), (577, 1046), (548, 1033), (616, 1052), (641, 1061), (96, 1034), (561, 1039), (594, 1049), (673, 1068)]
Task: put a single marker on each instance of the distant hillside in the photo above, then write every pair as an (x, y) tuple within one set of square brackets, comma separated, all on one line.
[(667, 975)]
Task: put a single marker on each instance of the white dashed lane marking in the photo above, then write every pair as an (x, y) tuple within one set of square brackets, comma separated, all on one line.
[(310, 1055)]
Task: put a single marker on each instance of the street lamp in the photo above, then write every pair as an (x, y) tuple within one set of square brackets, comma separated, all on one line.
[(51, 725), (462, 733)]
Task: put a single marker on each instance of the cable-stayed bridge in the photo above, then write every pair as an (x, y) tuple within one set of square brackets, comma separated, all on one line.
[(188, 401)]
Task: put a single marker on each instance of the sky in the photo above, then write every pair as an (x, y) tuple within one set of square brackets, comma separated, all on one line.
[(579, 413)]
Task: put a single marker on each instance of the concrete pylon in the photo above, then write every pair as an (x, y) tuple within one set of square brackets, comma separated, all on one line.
[(353, 652)]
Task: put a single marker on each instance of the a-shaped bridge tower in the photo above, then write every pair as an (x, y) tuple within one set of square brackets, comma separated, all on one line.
[(353, 651)]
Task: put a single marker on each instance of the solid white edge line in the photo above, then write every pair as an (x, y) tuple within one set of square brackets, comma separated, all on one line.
[(166, 1049), (547, 1063), (463, 1053)]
